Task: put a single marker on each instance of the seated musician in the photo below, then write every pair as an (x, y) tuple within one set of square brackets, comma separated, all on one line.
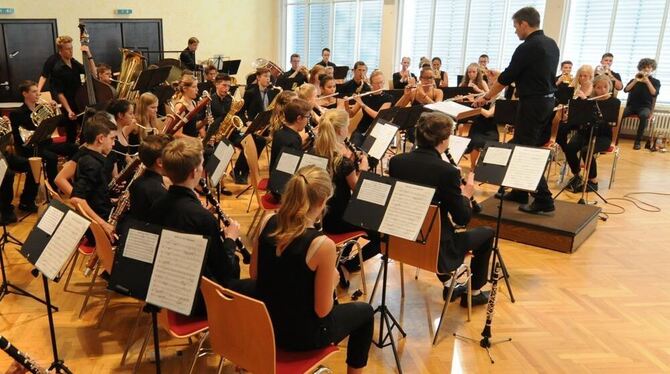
[(258, 97), (642, 92), (315, 74), (606, 68), (441, 76), (328, 88), (127, 142), (105, 76), (16, 164), (150, 186), (474, 78), (187, 56), (423, 93), (579, 143), (426, 167), (483, 63), (401, 78), (344, 167), (325, 58), (65, 81), (210, 77), (370, 105), (90, 188), (296, 76), (185, 95), (308, 92), (424, 62), (483, 128), (358, 84), (566, 73), (181, 210), (583, 85), (48, 149), (294, 268), (146, 115), (278, 106)]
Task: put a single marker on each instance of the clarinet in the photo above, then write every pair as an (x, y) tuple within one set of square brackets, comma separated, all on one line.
[(246, 256), (310, 137), (20, 357), (354, 151), (490, 307), (475, 205)]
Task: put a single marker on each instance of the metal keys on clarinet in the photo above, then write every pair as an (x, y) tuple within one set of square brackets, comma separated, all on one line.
[(475, 205)]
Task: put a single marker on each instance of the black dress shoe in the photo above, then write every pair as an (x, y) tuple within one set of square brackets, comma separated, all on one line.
[(459, 290), (517, 196), (637, 146), (534, 208), (32, 208), (225, 192), (478, 299), (240, 179), (8, 217)]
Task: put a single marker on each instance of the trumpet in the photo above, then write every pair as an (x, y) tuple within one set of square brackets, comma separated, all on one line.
[(566, 78), (641, 75), (302, 70)]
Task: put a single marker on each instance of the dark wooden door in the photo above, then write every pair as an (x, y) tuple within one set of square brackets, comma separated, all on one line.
[(108, 36), (25, 46)]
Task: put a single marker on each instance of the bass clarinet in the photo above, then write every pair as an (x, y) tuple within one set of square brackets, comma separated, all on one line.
[(246, 256), (20, 357)]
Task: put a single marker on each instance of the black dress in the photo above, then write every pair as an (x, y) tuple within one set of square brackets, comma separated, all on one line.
[(332, 221), (482, 130)]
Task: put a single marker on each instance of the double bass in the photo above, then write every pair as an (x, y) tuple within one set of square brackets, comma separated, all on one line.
[(93, 91)]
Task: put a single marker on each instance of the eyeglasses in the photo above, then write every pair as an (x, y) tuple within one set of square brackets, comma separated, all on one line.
[(306, 116)]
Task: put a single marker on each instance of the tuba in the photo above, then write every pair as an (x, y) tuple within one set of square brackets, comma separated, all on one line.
[(131, 67), (230, 122)]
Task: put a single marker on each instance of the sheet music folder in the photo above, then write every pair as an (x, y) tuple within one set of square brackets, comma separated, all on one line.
[(288, 163), (378, 138), (372, 206), (218, 162), (45, 129), (584, 111), (521, 167)]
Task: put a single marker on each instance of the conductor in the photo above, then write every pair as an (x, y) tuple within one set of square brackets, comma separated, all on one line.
[(532, 68)]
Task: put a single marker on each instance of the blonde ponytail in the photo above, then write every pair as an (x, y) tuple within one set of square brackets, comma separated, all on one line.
[(326, 143)]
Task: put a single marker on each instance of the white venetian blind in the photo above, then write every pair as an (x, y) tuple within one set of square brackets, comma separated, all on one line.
[(510, 40), (370, 33), (296, 22), (344, 33), (484, 31), (448, 36), (319, 33)]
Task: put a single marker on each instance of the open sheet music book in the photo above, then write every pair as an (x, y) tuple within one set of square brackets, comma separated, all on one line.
[(288, 163), (216, 166), (379, 139), (455, 110), (510, 165), (457, 147)]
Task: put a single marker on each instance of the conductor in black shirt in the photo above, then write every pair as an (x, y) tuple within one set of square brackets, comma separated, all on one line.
[(532, 68), (187, 56), (642, 92)]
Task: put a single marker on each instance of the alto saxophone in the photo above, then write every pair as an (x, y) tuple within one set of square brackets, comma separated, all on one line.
[(230, 121)]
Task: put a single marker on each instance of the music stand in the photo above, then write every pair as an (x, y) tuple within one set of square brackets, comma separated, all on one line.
[(150, 78), (230, 67), (564, 94), (505, 112), (260, 123), (288, 163), (406, 119), (450, 92), (396, 94), (340, 72)]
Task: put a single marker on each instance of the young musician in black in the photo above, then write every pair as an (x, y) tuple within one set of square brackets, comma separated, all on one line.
[(294, 266), (92, 176), (532, 67), (16, 163), (358, 84), (181, 210), (187, 56), (441, 76), (606, 68), (128, 135), (148, 187), (370, 105), (401, 78), (258, 97), (642, 92), (325, 58), (426, 167), (566, 74), (295, 77)]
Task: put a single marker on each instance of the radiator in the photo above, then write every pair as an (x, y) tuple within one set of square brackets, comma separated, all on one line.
[(661, 124)]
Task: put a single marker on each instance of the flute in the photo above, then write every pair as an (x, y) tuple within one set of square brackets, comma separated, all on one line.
[(363, 94), (561, 106), (469, 97), (329, 96)]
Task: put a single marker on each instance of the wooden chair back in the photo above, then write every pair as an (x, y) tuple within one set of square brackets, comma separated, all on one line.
[(103, 247), (422, 255), (52, 192), (240, 328), (617, 127)]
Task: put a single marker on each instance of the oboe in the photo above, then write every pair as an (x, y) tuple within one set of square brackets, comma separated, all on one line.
[(475, 205), (20, 357), (246, 256)]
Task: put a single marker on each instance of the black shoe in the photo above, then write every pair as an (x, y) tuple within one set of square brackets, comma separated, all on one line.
[(478, 299), (459, 290), (344, 283), (31, 207), (225, 192), (241, 179), (8, 217), (591, 186), (517, 196), (535, 208), (637, 146), (574, 183)]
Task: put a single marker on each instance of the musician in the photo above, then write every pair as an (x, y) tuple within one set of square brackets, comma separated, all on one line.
[(566, 73), (308, 93), (278, 106), (583, 87), (210, 74), (295, 262), (315, 74), (92, 177), (187, 56), (579, 143), (325, 58), (483, 61), (328, 88), (181, 210), (424, 62), (441, 77), (401, 78), (150, 186), (65, 81), (474, 79), (296, 76), (49, 149), (50, 63), (425, 166), (370, 105), (146, 115), (484, 127), (128, 140), (606, 68), (424, 93), (358, 84), (187, 91), (257, 98), (642, 92), (532, 67), (16, 164)]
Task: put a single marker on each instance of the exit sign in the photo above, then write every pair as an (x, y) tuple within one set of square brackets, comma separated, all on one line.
[(6, 10), (123, 12)]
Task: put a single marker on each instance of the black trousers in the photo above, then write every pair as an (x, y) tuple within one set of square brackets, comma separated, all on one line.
[(480, 241), (533, 128), (579, 143), (355, 320), (241, 168), (17, 164), (643, 114)]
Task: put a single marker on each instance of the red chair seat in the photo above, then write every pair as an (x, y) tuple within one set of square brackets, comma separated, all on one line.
[(59, 139), (85, 248), (269, 202), (263, 184), (346, 236), (300, 362), (609, 150), (182, 325)]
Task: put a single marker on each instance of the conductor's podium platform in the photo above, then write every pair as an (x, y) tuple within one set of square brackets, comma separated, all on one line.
[(564, 230)]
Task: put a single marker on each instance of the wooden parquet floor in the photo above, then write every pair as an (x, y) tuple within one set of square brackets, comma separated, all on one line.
[(605, 308)]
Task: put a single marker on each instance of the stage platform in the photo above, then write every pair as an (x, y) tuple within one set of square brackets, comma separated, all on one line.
[(564, 230)]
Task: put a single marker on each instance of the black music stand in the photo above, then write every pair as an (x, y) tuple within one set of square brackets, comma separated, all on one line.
[(451, 92), (564, 94), (150, 78), (396, 94), (260, 123), (340, 72), (505, 112), (289, 161), (370, 140), (406, 119), (230, 67)]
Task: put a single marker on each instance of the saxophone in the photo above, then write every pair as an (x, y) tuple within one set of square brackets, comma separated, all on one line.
[(230, 122)]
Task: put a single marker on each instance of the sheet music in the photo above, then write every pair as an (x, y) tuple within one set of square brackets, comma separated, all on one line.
[(406, 210), (141, 245), (49, 220), (176, 273), (288, 163), (3, 169), (457, 146), (62, 244), (451, 108), (383, 134), (497, 156), (308, 159), (526, 168), (224, 152), (373, 192)]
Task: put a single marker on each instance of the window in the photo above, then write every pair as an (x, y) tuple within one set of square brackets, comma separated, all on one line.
[(629, 29), (350, 28), (459, 31)]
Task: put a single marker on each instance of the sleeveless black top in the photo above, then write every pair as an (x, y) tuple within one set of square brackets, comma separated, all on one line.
[(286, 285)]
